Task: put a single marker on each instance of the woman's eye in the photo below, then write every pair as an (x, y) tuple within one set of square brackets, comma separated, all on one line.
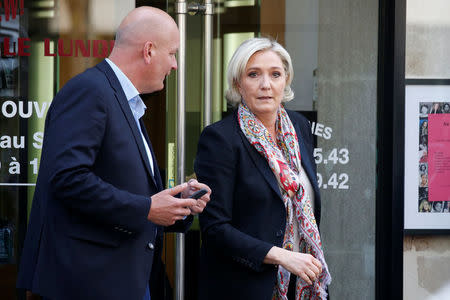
[(276, 74), (252, 74)]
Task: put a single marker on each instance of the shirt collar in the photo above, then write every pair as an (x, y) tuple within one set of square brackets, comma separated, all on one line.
[(137, 106), (128, 88)]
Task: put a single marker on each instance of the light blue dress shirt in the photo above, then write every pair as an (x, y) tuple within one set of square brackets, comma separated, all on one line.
[(137, 106)]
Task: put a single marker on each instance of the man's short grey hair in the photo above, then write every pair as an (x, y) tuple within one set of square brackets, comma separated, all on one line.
[(240, 58)]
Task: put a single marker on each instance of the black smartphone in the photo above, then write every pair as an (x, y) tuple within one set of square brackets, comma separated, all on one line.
[(198, 194)]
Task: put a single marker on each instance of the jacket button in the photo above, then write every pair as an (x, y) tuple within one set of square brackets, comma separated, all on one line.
[(150, 246), (279, 233)]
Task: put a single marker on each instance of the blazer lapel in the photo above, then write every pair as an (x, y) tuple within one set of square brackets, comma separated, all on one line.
[(307, 164), (121, 98), (264, 168), (260, 162), (306, 159)]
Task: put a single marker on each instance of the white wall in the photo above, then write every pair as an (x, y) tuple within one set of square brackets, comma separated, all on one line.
[(426, 259), (426, 267)]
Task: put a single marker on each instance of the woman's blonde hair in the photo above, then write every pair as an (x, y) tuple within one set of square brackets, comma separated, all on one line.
[(240, 58)]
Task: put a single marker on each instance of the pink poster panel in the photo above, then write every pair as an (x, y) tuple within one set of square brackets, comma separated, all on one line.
[(439, 157)]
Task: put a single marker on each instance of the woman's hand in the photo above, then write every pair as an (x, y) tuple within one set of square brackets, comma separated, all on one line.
[(303, 265)]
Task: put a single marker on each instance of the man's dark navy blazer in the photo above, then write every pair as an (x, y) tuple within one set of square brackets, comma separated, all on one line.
[(88, 235)]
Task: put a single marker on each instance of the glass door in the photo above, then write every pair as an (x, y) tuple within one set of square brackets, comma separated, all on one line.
[(334, 48), (210, 32)]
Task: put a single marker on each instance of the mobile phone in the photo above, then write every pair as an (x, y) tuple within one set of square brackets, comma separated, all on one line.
[(198, 194)]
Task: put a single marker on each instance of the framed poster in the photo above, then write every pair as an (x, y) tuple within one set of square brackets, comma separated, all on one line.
[(427, 156)]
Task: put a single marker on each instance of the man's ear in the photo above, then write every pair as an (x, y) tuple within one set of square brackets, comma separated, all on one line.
[(148, 51)]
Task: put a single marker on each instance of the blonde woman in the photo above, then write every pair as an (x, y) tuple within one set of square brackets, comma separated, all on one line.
[(260, 237)]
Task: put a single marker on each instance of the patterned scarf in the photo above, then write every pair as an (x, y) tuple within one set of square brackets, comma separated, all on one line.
[(284, 161)]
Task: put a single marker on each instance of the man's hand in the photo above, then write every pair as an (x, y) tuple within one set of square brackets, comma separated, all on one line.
[(166, 209), (200, 204)]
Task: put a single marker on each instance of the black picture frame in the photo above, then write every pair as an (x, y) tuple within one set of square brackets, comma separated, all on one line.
[(416, 91)]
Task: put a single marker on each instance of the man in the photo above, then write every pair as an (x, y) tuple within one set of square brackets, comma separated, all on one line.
[(98, 209)]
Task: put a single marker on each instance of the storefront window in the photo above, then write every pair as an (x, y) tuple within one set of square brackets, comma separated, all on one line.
[(43, 44), (333, 45)]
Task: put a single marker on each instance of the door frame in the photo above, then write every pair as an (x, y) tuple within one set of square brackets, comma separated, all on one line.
[(390, 150)]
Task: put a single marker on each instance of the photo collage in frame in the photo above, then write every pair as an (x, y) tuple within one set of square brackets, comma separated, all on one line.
[(425, 205)]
